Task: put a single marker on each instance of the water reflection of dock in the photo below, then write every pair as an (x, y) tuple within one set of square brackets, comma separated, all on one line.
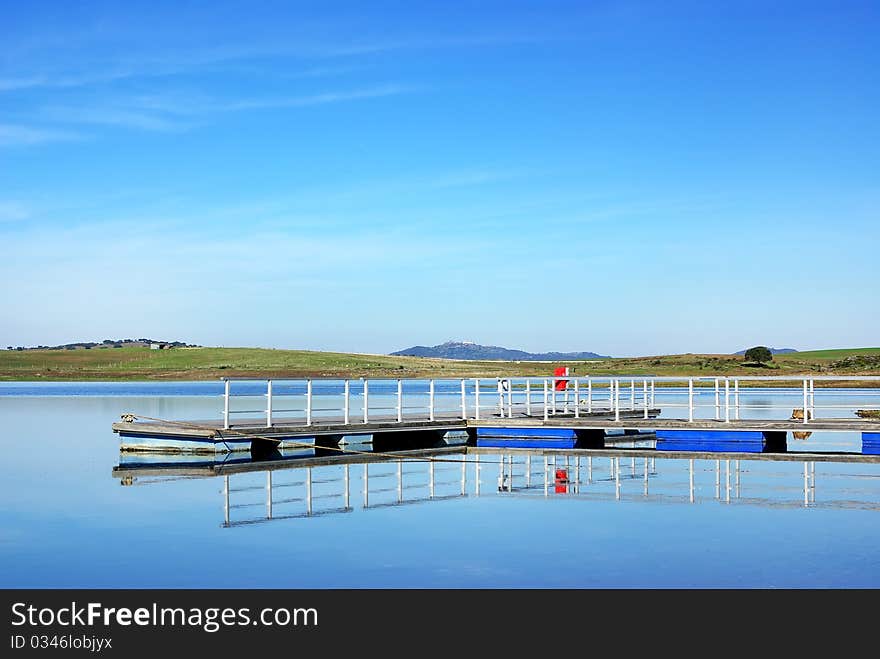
[(255, 491)]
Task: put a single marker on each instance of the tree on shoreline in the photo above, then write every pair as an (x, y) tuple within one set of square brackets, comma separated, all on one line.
[(758, 354)]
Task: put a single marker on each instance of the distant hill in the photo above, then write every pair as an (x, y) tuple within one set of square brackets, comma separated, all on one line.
[(773, 351), (475, 351)]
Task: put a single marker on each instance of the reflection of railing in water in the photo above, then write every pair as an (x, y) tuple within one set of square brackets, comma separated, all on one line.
[(636, 472), (728, 490), (583, 477), (309, 497), (330, 485)]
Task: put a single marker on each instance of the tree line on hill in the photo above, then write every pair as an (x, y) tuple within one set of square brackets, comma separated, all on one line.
[(106, 343)]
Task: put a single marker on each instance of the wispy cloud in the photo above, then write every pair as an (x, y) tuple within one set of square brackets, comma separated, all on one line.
[(436, 42), (18, 135), (11, 84), (313, 99), (246, 57), (72, 80), (13, 211), (174, 112), (476, 177), (113, 116), (65, 80)]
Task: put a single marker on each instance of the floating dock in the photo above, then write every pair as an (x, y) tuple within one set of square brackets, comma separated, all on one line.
[(211, 437), (723, 441), (514, 412)]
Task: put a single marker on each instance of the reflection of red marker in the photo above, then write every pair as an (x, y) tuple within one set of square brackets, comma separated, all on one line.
[(560, 385), (561, 481)]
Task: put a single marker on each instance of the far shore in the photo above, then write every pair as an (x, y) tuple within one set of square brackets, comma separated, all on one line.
[(205, 364)]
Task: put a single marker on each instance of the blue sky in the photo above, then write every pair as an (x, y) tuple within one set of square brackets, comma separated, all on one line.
[(623, 177)]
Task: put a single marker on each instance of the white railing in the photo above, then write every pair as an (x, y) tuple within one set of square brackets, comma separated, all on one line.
[(321, 490), (300, 490), (350, 402)]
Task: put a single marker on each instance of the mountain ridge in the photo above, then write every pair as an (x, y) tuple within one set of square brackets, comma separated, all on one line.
[(475, 351)]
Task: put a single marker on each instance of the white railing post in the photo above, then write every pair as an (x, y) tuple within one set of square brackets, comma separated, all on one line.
[(717, 401), (812, 403), (309, 402), (399, 400), (565, 404), (366, 403), (726, 400), (463, 400), (736, 398), (632, 394), (806, 406), (652, 392), (269, 494), (463, 477), (346, 405), (366, 480), (577, 402), (431, 404), (553, 398), (500, 387), (546, 401), (692, 480), (546, 475), (226, 497), (617, 400), (509, 398), (589, 395), (477, 475), (806, 472), (226, 404), (528, 397), (690, 399), (268, 403), (645, 395), (477, 399)]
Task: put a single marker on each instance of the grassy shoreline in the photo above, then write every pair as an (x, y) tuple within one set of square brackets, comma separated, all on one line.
[(181, 364)]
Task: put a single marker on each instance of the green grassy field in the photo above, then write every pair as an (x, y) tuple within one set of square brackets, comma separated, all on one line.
[(837, 353), (139, 363)]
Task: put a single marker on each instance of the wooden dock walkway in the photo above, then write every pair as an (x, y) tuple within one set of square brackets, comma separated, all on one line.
[(281, 428), (294, 427), (598, 420), (330, 411)]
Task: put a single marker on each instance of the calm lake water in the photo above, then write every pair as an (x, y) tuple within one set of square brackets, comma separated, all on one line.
[(68, 520)]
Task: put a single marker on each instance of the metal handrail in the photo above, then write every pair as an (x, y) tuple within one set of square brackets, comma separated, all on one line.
[(477, 397)]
